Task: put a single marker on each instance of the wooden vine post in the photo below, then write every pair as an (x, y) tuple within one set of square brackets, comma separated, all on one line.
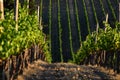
[(1, 9), (16, 13), (38, 8), (97, 32), (106, 21)]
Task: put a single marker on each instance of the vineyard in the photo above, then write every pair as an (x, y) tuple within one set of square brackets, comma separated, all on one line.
[(21, 40), (70, 21), (77, 31)]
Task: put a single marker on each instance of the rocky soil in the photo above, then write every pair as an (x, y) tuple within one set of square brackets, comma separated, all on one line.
[(40, 70)]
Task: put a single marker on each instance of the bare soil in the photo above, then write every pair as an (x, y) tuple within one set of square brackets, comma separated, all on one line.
[(40, 70)]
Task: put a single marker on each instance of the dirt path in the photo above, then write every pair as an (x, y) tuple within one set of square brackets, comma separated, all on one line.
[(40, 70)]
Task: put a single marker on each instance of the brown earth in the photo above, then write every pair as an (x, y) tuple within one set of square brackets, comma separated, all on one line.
[(40, 70)]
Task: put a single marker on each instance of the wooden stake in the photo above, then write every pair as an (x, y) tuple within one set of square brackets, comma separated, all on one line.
[(106, 21), (97, 32), (106, 18), (1, 9), (38, 12), (16, 13)]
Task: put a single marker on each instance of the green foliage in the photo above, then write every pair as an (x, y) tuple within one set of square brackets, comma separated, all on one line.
[(12, 41), (105, 39)]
